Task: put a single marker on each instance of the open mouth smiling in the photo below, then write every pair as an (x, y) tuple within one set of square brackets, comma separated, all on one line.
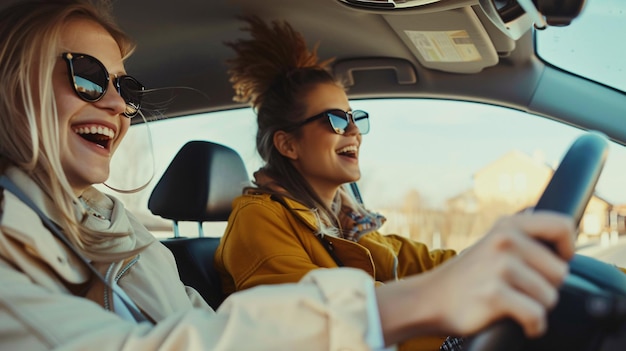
[(95, 133), (348, 151)]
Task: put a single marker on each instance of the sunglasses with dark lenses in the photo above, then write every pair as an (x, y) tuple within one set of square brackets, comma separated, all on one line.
[(339, 120), (90, 80)]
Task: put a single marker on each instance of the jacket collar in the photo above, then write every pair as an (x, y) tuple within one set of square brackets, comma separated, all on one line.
[(303, 213), (27, 223), (354, 220)]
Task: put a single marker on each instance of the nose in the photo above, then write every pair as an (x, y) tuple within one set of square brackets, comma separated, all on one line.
[(351, 129), (112, 100)]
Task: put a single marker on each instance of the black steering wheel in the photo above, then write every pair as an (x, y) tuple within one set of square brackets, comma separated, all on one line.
[(592, 300)]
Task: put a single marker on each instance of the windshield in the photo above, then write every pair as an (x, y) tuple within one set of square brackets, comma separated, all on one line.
[(592, 46)]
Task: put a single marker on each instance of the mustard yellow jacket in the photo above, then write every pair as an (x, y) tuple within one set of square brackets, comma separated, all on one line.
[(268, 243)]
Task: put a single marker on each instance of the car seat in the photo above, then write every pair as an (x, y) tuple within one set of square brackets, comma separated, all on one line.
[(199, 185)]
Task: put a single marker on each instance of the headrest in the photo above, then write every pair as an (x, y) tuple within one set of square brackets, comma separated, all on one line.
[(200, 183)]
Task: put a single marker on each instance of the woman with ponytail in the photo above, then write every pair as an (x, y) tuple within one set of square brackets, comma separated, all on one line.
[(299, 216)]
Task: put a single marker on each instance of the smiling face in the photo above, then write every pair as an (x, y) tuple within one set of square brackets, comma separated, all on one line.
[(324, 158), (90, 131)]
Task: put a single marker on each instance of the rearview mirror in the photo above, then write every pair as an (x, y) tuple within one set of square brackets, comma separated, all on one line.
[(543, 12)]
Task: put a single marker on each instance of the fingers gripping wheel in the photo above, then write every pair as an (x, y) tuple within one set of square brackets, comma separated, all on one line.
[(572, 325)]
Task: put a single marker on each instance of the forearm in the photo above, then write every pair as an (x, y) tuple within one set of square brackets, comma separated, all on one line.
[(331, 303)]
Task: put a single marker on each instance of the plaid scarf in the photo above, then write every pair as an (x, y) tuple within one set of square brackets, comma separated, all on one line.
[(354, 220)]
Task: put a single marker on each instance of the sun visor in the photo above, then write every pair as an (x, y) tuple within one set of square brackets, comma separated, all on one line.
[(466, 36), (452, 40), (459, 36)]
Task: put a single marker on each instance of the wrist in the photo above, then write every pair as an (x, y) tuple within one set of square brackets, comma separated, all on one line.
[(409, 308)]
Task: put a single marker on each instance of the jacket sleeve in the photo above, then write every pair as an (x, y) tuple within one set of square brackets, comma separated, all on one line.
[(327, 311), (261, 245)]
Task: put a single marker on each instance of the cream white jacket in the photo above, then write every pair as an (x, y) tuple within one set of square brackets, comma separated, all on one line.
[(41, 308)]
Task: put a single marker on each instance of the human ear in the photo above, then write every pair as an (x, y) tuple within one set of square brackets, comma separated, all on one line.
[(285, 144)]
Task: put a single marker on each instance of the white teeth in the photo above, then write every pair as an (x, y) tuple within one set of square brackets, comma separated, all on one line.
[(102, 130), (350, 148)]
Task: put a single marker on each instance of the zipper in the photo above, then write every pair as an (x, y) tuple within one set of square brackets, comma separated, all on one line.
[(126, 268), (107, 304)]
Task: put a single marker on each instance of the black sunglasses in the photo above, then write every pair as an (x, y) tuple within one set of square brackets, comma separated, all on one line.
[(339, 120), (90, 80)]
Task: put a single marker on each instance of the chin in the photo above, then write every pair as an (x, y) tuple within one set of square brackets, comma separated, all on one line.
[(352, 178), (95, 177)]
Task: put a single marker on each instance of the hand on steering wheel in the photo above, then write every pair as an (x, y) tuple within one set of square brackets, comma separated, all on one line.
[(570, 325)]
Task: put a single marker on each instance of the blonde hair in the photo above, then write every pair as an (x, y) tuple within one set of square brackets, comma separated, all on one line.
[(29, 131), (273, 71)]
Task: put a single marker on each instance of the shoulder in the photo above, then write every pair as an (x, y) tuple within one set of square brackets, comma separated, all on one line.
[(257, 202), (266, 203), (253, 198), (23, 236), (255, 208), (19, 219)]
